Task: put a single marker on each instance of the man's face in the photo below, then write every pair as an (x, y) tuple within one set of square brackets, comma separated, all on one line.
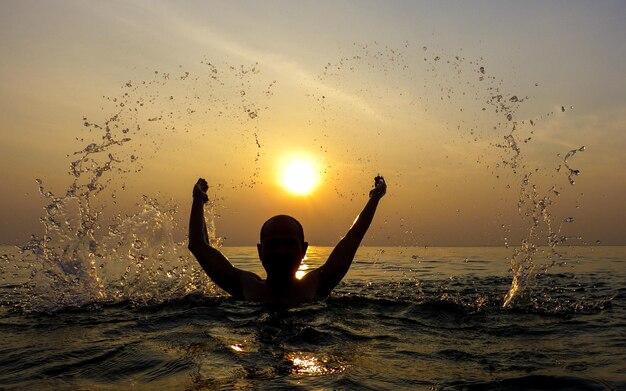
[(281, 250)]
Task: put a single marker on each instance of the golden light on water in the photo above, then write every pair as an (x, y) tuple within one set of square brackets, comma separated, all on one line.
[(302, 270), (312, 365), (237, 347), (299, 176), (308, 365)]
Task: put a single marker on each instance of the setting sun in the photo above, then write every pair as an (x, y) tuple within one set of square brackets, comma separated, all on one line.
[(299, 176)]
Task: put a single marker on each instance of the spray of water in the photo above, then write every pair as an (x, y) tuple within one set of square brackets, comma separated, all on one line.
[(462, 95), (90, 253), (84, 258)]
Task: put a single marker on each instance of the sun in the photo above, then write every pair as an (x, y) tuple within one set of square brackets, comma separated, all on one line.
[(299, 176)]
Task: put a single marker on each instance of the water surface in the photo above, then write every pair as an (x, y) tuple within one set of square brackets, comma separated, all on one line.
[(404, 318)]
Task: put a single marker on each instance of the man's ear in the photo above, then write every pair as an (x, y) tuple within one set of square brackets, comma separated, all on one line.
[(305, 246), (258, 248)]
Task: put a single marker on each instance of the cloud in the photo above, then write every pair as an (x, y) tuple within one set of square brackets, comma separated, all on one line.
[(279, 63)]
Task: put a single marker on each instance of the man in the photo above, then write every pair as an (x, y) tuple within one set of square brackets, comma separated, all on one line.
[(281, 250)]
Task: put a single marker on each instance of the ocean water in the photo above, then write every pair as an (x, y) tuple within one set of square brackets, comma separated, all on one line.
[(106, 298), (403, 318)]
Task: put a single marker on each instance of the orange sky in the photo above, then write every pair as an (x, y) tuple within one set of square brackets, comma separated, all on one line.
[(226, 91)]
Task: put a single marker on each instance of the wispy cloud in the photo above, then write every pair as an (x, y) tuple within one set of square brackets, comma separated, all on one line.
[(279, 63)]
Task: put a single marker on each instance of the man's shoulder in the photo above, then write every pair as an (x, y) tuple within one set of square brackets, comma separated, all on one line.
[(253, 287), (247, 277)]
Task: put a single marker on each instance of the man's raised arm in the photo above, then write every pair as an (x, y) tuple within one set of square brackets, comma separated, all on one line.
[(214, 263), (340, 259)]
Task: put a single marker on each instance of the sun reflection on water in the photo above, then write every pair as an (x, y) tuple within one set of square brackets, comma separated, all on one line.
[(309, 364), (237, 347), (302, 270)]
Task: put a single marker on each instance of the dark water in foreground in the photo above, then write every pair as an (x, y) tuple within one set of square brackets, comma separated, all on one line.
[(411, 318)]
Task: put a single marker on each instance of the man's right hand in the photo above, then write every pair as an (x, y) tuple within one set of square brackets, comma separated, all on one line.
[(200, 189)]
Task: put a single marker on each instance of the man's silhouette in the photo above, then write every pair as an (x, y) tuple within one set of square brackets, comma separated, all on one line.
[(281, 250)]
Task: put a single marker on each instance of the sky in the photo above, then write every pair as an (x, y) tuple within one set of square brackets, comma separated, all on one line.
[(469, 110)]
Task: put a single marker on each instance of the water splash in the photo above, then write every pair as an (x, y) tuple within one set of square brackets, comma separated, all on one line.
[(90, 252), (476, 107), (571, 173), (85, 259)]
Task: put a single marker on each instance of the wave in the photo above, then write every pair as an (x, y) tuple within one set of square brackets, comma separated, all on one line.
[(531, 382), (464, 297)]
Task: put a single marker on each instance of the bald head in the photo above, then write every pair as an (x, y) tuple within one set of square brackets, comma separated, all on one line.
[(282, 225)]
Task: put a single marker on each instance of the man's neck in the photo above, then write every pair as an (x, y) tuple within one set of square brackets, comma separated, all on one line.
[(280, 285)]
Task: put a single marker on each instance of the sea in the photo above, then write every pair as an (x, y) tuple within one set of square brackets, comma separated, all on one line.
[(104, 297), (404, 318)]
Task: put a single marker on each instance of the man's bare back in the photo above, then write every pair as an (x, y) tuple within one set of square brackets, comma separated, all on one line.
[(281, 249)]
